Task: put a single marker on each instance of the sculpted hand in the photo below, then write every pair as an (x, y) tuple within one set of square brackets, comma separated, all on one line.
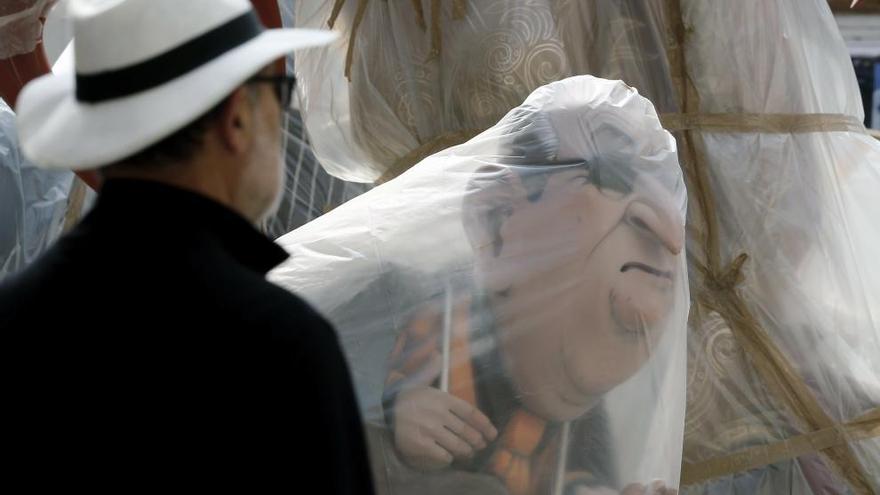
[(433, 428)]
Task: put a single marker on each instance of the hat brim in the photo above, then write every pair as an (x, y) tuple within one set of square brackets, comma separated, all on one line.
[(57, 131)]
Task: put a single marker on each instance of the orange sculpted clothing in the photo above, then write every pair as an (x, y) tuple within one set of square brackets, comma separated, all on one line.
[(526, 454)]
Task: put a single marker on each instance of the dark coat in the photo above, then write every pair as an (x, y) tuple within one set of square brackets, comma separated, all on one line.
[(136, 354)]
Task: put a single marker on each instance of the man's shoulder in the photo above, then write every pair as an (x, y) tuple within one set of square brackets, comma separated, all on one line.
[(285, 314), (300, 336), (286, 304)]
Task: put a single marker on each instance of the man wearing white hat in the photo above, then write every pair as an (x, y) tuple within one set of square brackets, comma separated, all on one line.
[(136, 346)]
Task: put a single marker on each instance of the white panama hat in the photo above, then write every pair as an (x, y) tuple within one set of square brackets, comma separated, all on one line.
[(143, 70)]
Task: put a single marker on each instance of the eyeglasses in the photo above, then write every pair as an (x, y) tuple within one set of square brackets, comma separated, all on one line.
[(284, 85)]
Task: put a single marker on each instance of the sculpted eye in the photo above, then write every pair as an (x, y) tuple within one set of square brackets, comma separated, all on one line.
[(582, 179), (612, 183)]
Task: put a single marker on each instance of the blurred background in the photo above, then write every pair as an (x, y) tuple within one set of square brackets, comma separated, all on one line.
[(860, 27)]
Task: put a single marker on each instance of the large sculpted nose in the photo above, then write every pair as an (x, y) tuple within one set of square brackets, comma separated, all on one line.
[(657, 220)]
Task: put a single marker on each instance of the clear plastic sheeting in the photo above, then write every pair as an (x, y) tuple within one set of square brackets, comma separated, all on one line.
[(421, 80), (33, 202), (309, 190), (802, 205), (783, 371), (20, 26), (514, 308)]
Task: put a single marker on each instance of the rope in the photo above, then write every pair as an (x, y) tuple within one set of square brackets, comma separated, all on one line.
[(425, 150), (719, 292), (864, 428), (74, 204), (762, 123)]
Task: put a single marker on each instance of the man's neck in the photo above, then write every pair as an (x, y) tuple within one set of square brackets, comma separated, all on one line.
[(192, 176)]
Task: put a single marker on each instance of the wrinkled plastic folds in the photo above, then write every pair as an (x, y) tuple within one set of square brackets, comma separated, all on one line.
[(800, 205), (401, 97), (803, 207), (20, 26), (309, 191), (514, 308), (33, 202)]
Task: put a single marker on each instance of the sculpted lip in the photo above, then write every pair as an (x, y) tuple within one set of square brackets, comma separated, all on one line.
[(634, 265)]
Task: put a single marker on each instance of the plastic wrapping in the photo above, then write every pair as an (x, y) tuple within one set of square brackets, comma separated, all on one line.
[(526, 289), (402, 99), (20, 26), (309, 190), (791, 183), (33, 202), (802, 206)]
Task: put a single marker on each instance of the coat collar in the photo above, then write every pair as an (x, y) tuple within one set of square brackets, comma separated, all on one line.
[(156, 209)]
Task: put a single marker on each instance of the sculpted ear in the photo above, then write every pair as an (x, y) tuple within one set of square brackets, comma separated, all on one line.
[(492, 195)]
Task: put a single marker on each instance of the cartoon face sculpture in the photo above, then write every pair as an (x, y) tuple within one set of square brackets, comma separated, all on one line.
[(601, 245), (576, 239), (502, 298)]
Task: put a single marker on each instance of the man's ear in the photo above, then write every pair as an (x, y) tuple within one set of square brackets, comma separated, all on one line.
[(493, 194), (236, 122)]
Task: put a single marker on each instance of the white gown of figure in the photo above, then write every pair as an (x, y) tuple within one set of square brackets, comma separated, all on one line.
[(799, 203)]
